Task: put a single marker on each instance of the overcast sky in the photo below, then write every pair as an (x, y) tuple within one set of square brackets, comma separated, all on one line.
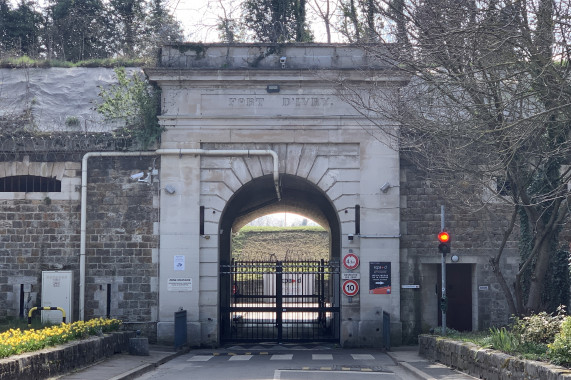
[(199, 18)]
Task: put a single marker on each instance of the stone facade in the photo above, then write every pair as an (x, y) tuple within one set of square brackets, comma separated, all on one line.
[(41, 232), (221, 102), (472, 235), (486, 363)]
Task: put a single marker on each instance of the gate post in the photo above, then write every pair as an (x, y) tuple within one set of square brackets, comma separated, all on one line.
[(279, 298), (386, 331)]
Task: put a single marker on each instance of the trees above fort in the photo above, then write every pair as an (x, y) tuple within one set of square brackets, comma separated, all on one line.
[(486, 115)]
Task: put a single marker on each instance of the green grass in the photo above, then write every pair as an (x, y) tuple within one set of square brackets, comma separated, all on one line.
[(499, 341), (250, 229), (22, 323), (25, 62)]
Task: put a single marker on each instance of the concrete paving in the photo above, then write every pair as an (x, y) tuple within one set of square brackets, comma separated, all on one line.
[(125, 366)]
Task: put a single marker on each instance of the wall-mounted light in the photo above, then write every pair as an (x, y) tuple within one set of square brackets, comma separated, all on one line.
[(454, 258), (350, 236), (141, 177), (170, 189), (283, 61), (137, 175), (386, 186), (272, 88)]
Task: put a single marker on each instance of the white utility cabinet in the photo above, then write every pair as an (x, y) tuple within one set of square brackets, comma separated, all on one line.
[(57, 291)]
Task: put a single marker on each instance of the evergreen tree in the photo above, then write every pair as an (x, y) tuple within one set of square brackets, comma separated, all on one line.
[(20, 28), (77, 30), (276, 21)]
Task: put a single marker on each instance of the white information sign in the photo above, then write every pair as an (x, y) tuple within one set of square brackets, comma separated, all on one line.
[(179, 262), (350, 276), (179, 284)]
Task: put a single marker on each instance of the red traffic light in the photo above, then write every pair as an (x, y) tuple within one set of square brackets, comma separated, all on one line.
[(444, 237)]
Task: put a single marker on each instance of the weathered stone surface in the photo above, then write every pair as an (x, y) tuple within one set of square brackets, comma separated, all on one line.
[(485, 363), (58, 360)]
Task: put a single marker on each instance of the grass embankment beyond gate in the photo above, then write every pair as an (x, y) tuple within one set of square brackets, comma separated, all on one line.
[(279, 243)]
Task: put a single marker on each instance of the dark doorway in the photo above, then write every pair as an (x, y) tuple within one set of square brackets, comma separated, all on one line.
[(459, 294)]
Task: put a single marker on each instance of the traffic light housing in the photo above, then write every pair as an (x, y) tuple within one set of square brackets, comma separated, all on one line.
[(444, 239)]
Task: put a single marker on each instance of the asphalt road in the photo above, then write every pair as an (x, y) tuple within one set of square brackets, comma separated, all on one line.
[(331, 364)]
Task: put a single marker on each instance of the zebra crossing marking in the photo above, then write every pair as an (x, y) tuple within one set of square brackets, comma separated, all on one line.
[(321, 357), (282, 357), (200, 358), (363, 357), (240, 357)]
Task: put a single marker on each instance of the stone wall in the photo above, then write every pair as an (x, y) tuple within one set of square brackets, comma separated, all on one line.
[(53, 361), (38, 232), (485, 363), (122, 244), (475, 238), (41, 231)]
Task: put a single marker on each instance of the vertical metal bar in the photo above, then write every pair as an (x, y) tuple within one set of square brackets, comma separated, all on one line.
[(201, 228), (279, 300), (108, 313), (443, 263), (357, 219), (21, 300)]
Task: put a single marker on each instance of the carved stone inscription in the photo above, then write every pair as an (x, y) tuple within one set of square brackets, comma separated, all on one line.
[(269, 104)]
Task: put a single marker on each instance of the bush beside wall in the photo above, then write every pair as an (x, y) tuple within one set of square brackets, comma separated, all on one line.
[(487, 364), (65, 358)]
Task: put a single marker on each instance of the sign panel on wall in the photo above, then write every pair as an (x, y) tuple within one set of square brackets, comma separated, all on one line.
[(179, 284), (379, 278), (179, 261)]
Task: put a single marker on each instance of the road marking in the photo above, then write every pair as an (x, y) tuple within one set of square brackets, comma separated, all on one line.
[(240, 357), (363, 357), (200, 358), (321, 357), (282, 357)]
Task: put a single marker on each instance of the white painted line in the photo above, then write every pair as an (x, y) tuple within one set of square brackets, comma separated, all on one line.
[(282, 357), (240, 357), (321, 357), (303, 374), (362, 357), (200, 358)]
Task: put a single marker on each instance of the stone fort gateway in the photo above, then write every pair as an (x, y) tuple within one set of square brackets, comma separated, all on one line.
[(249, 130)]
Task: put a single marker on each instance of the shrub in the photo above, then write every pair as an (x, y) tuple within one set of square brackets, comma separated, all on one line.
[(17, 341), (559, 352), (502, 339), (539, 328)]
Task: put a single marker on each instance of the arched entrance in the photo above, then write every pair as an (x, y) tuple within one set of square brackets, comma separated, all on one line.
[(274, 300)]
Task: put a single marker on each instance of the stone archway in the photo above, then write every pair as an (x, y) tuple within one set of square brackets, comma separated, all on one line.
[(319, 308)]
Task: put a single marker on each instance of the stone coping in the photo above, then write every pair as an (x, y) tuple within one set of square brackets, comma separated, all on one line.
[(487, 364), (61, 359)]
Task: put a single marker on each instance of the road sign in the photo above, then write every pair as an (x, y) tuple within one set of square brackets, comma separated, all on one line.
[(350, 288), (351, 276), (350, 261)]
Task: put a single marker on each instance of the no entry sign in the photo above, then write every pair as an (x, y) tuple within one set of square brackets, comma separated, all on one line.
[(350, 288), (350, 261)]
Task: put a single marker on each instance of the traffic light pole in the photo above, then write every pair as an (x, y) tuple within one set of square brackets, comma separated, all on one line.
[(443, 299)]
